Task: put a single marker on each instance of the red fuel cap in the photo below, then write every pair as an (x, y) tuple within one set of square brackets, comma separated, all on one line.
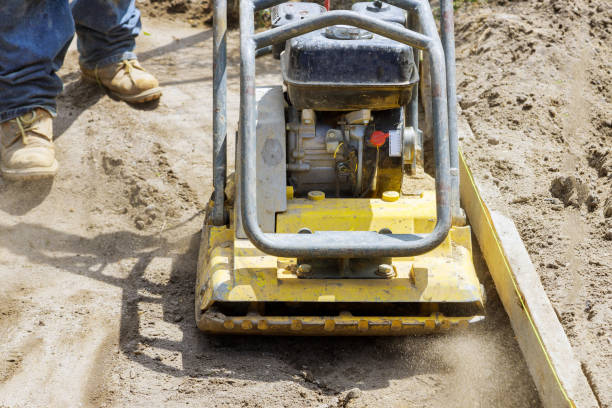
[(378, 138)]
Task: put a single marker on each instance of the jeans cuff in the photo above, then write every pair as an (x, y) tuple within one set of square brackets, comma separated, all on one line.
[(126, 55), (14, 113)]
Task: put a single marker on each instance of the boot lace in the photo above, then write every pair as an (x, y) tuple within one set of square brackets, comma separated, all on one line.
[(128, 65), (25, 125)]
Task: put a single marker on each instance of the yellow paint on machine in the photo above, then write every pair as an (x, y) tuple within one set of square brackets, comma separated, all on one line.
[(332, 325), (233, 270)]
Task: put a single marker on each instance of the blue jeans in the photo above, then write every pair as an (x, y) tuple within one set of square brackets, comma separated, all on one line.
[(34, 38)]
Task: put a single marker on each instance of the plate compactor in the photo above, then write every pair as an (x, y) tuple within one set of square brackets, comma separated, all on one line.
[(312, 235)]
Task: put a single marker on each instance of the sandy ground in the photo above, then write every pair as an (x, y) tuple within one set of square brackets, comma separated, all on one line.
[(97, 312), (535, 84), (98, 267)]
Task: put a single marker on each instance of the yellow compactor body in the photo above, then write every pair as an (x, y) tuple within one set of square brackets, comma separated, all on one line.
[(240, 289), (313, 235)]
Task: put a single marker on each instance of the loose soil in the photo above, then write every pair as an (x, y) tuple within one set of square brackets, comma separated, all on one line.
[(198, 13), (98, 267), (534, 79)]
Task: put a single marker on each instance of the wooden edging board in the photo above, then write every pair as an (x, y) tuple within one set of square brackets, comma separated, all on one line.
[(547, 351)]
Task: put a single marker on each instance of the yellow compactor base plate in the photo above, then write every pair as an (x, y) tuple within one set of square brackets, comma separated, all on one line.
[(242, 290)]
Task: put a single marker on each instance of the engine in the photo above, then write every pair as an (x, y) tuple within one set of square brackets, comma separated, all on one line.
[(347, 90)]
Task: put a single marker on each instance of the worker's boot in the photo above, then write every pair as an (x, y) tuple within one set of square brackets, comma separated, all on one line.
[(126, 79), (27, 149)]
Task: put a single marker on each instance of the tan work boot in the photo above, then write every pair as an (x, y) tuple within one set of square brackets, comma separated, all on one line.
[(26, 143), (126, 80)]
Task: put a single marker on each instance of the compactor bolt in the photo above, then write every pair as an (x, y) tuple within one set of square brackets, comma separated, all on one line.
[(303, 270), (396, 325), (342, 168), (390, 196), (386, 271), (316, 195), (296, 324)]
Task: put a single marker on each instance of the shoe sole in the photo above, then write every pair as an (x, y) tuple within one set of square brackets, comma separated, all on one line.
[(30, 174), (145, 96)]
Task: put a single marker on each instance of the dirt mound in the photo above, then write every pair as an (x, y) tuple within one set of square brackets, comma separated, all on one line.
[(195, 12), (534, 77), (570, 191)]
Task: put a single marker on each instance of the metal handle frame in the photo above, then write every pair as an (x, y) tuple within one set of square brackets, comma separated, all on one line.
[(447, 28), (343, 244), (219, 162)]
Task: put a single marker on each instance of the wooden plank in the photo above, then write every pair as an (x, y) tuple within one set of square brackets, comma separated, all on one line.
[(545, 347)]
